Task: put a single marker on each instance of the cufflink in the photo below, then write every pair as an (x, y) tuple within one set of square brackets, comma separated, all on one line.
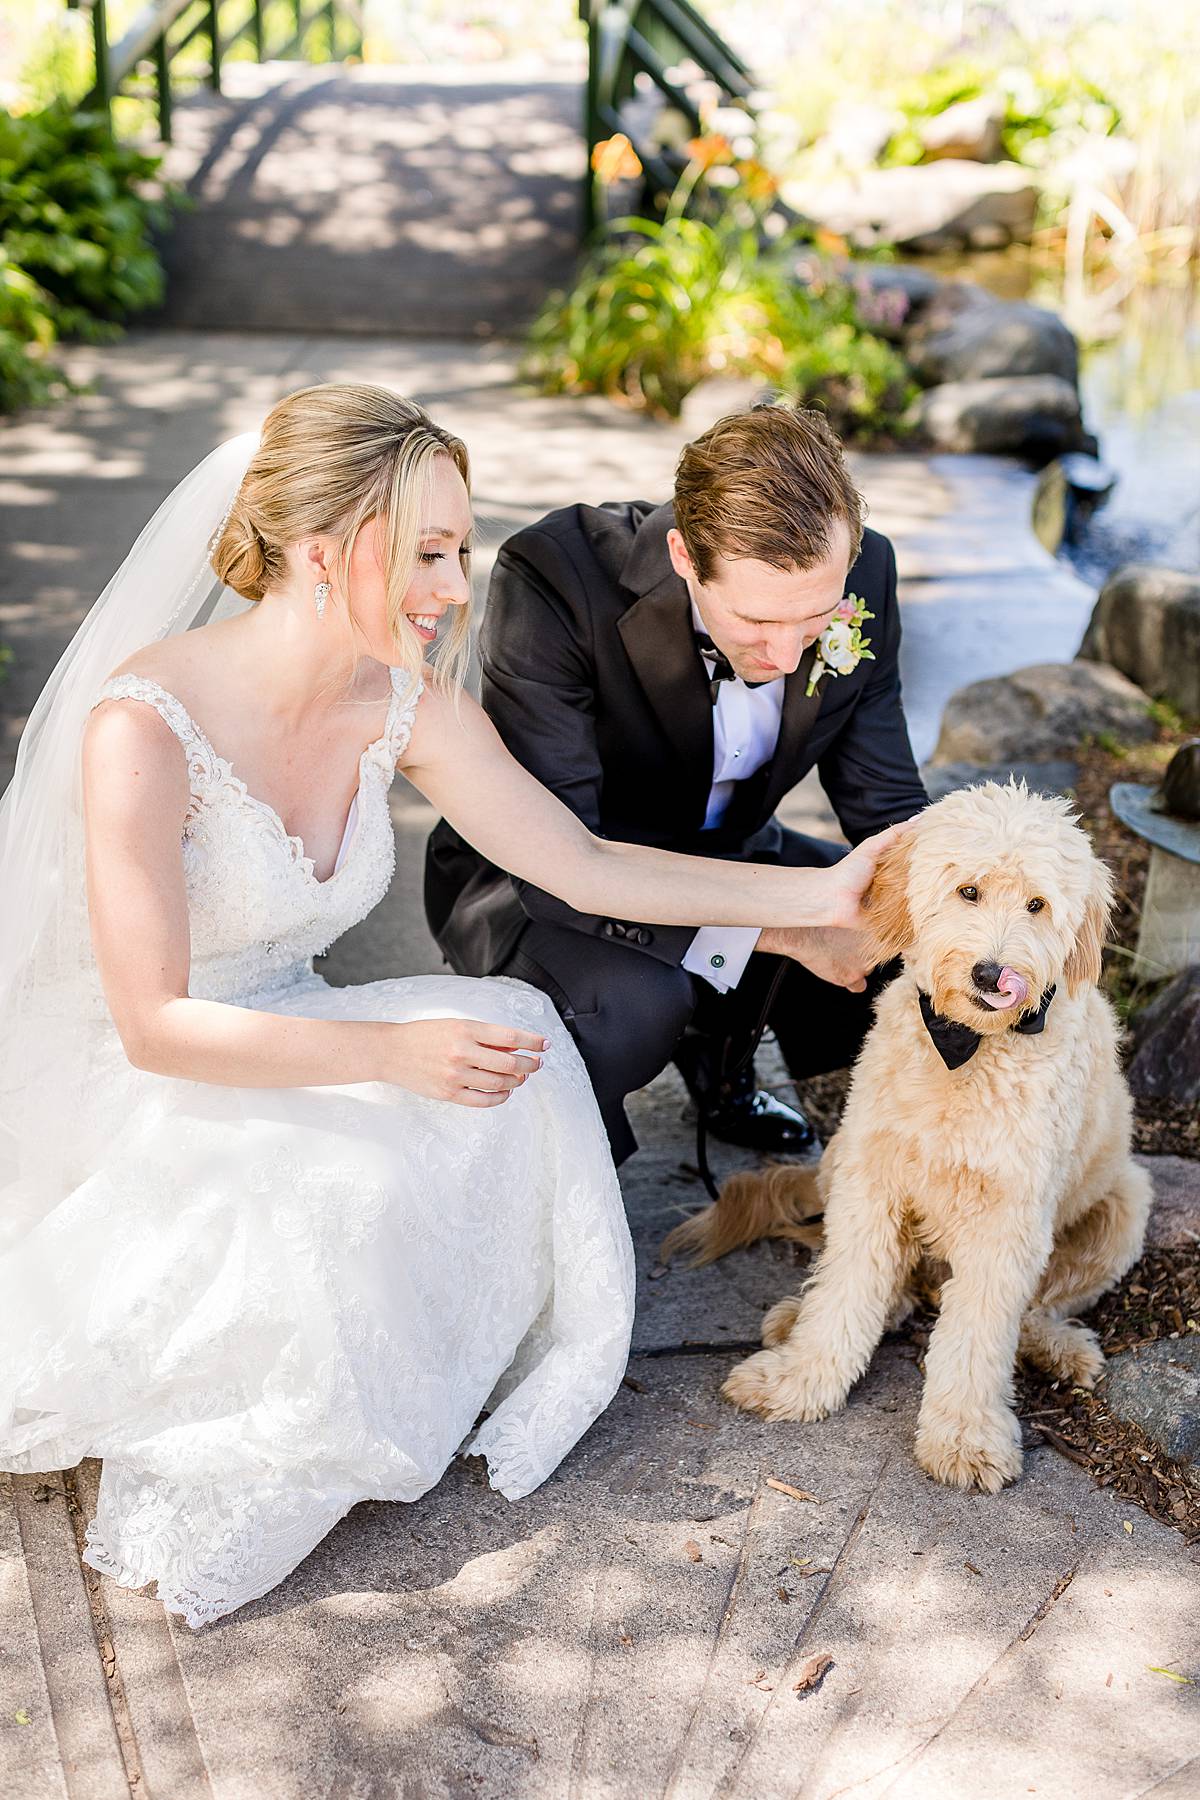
[(716, 962)]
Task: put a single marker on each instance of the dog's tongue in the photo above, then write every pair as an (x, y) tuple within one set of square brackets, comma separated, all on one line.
[(1013, 991)]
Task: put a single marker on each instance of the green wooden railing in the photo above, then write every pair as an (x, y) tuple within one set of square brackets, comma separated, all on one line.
[(164, 29), (628, 38)]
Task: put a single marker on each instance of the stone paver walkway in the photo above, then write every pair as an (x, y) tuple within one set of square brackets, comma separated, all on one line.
[(572, 1646)]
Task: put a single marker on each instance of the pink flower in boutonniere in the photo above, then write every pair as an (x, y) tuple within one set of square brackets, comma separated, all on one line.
[(842, 646)]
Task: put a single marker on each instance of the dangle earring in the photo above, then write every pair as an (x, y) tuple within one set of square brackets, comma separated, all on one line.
[(321, 594)]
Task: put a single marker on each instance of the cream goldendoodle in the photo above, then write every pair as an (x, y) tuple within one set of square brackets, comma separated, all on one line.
[(987, 1127)]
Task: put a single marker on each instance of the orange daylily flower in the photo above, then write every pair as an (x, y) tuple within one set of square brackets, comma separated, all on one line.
[(710, 150), (615, 159)]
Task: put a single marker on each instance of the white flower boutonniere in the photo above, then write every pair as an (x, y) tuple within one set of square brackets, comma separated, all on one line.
[(842, 646)]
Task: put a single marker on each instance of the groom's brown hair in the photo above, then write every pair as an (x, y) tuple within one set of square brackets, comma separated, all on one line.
[(765, 484)]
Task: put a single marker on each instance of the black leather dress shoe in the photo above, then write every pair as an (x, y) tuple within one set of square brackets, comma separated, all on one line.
[(756, 1120)]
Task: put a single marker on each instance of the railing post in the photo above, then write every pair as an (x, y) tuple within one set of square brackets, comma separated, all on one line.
[(100, 39), (590, 9), (162, 82), (214, 31)]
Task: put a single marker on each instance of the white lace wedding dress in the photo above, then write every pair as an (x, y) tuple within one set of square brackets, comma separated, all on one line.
[(260, 1306)]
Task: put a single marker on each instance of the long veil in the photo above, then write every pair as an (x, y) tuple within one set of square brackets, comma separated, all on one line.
[(53, 1020)]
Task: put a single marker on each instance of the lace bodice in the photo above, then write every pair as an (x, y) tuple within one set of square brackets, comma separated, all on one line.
[(256, 911)]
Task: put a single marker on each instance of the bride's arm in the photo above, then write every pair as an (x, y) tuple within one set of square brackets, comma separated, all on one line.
[(135, 792), (459, 762)]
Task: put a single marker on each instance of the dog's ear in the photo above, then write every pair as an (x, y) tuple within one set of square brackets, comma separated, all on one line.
[(1083, 965), (889, 922)]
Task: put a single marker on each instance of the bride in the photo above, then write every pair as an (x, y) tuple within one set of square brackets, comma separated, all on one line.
[(269, 1247)]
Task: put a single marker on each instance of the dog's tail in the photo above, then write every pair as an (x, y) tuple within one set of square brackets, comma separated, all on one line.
[(783, 1201)]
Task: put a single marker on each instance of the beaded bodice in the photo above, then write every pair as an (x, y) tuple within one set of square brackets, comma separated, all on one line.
[(256, 910)]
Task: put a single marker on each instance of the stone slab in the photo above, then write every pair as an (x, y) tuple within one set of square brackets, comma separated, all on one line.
[(1175, 1214), (29, 1754), (637, 1626), (1157, 1386)]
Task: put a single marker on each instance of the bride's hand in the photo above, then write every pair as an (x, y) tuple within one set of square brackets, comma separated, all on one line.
[(850, 878), (462, 1060)]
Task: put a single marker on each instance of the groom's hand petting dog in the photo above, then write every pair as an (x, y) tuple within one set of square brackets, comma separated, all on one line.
[(838, 955), (987, 1128)]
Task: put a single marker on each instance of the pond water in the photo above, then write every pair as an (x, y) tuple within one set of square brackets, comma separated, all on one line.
[(1140, 386)]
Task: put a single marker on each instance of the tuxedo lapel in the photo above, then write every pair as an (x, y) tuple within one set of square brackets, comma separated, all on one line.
[(657, 634), (796, 721)]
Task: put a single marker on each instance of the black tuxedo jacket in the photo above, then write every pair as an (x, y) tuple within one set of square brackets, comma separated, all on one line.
[(592, 677)]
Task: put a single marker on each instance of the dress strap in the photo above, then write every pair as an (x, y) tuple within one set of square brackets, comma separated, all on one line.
[(406, 691), (141, 687)]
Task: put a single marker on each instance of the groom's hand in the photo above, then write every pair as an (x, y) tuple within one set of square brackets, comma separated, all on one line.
[(832, 953)]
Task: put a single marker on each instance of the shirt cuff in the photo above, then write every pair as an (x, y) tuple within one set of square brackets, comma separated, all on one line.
[(719, 953)]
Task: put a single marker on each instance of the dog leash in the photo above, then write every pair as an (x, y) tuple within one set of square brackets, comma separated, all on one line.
[(726, 1073)]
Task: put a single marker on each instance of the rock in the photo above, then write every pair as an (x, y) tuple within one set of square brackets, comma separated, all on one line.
[(997, 337), (1175, 1214), (928, 207), (1146, 623), (859, 132), (1040, 714), (1157, 1387), (1180, 789), (1069, 490), (970, 128), (1043, 778), (1031, 415), (1165, 1043)]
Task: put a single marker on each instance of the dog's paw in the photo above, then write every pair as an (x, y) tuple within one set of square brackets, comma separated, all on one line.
[(983, 1452), (777, 1384), (1064, 1349), (777, 1324)]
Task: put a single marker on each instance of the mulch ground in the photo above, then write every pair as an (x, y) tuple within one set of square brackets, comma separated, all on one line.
[(1160, 1297)]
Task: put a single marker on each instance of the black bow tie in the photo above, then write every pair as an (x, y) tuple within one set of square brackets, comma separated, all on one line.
[(957, 1044), (723, 669)]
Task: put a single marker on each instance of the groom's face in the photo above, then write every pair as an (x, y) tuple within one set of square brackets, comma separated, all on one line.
[(764, 618)]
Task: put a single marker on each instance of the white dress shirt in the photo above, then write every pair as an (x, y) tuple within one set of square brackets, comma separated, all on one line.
[(745, 733)]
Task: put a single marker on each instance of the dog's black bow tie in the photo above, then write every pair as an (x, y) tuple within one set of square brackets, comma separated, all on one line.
[(723, 669), (957, 1044)]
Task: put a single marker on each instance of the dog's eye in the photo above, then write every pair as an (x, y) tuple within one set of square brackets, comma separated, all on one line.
[(1035, 906), (969, 893)]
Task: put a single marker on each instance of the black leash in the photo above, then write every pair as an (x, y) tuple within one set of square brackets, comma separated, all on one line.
[(727, 1073)]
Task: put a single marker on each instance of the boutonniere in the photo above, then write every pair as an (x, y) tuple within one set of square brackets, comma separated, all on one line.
[(842, 646)]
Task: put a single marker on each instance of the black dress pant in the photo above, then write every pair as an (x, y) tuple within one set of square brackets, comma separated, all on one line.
[(628, 1010)]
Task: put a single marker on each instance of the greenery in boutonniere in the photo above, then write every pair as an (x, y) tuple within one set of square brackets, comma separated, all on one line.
[(842, 646)]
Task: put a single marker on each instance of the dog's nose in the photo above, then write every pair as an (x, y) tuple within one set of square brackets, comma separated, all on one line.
[(986, 976)]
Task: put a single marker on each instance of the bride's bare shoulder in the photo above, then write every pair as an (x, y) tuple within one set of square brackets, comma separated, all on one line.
[(181, 660)]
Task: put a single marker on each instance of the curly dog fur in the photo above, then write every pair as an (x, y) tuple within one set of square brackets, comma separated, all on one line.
[(1013, 1170)]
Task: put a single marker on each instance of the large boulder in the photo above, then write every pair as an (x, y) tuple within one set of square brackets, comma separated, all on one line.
[(1146, 623), (1021, 415), (1058, 777), (1165, 1043), (965, 334), (947, 205), (969, 128), (1041, 714)]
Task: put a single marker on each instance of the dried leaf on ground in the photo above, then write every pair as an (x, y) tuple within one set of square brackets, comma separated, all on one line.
[(694, 1551), (812, 1674)]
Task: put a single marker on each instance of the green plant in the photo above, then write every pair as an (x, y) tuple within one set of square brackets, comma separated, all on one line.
[(76, 254), (73, 213), (660, 305)]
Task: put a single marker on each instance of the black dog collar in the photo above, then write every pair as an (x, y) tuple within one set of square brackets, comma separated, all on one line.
[(957, 1044)]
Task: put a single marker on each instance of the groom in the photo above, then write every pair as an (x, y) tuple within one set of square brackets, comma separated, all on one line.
[(651, 666)]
